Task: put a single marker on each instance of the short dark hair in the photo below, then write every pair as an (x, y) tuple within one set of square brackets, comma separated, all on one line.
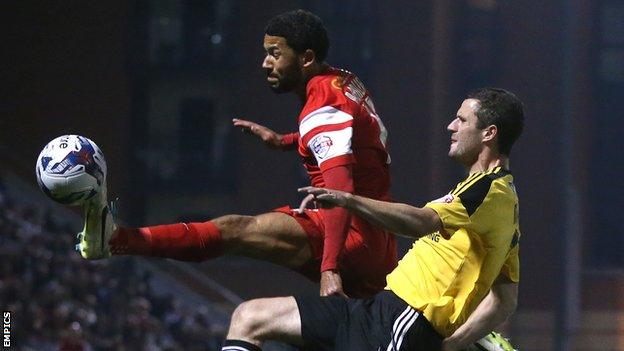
[(503, 109), (302, 30)]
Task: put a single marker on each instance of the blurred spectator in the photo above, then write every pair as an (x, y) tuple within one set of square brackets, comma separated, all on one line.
[(61, 302)]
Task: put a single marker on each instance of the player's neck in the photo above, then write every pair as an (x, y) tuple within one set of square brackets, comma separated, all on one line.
[(487, 161), (309, 73)]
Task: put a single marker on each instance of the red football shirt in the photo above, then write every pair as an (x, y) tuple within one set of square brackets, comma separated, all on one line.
[(339, 126)]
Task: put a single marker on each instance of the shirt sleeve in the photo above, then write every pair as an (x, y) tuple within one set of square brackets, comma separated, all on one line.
[(511, 267), (289, 141), (451, 211), (483, 207), (337, 219), (327, 132)]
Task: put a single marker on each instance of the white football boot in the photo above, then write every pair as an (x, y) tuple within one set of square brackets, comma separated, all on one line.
[(98, 228)]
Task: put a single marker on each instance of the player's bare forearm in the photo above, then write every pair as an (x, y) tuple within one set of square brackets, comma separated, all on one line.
[(398, 218), (395, 217), (496, 307)]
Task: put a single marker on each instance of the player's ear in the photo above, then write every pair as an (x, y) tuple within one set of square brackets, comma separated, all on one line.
[(489, 133), (307, 58)]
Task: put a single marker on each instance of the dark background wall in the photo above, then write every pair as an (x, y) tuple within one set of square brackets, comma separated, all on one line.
[(64, 71), (85, 68)]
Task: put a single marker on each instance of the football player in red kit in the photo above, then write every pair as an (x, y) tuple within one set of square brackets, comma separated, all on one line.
[(342, 143)]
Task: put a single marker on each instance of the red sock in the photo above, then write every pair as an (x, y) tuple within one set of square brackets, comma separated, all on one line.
[(180, 241)]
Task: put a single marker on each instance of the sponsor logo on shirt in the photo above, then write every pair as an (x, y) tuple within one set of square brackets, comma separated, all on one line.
[(434, 237), (446, 199), (321, 145)]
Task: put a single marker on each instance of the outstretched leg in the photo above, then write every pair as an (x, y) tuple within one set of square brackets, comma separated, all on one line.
[(274, 237)]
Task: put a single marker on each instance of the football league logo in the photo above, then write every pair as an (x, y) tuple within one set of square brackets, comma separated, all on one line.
[(321, 145)]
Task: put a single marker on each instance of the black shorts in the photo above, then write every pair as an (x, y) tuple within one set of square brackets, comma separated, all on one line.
[(383, 322)]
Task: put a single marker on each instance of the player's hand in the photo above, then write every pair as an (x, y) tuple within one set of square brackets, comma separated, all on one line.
[(268, 136), (324, 198), (331, 284)]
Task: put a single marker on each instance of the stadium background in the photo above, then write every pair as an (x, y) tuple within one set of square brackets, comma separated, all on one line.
[(156, 82)]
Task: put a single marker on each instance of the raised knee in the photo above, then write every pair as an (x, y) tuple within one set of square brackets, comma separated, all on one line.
[(247, 321)]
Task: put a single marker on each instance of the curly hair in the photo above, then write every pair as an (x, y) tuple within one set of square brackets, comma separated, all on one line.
[(302, 30)]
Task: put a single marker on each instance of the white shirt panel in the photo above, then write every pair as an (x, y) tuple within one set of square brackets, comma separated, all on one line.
[(326, 115), (327, 145)]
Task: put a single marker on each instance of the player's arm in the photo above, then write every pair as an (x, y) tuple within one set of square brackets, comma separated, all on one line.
[(336, 222), (496, 307), (269, 137), (395, 217)]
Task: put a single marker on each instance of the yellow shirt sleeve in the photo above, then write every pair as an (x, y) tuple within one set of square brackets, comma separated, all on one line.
[(451, 212), (511, 267)]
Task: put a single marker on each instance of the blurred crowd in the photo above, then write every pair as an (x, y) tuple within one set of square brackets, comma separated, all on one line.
[(58, 301)]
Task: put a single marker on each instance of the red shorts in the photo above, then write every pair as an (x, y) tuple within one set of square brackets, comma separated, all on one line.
[(369, 255)]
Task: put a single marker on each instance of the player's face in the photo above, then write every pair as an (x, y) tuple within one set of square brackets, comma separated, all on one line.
[(281, 64), (466, 137)]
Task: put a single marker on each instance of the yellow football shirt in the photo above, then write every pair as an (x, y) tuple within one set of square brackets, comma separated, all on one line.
[(446, 274)]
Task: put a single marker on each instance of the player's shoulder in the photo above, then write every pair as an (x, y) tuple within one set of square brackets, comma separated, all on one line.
[(328, 89), (497, 184), (332, 80)]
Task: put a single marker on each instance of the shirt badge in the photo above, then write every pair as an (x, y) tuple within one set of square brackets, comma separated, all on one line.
[(321, 145), (446, 199)]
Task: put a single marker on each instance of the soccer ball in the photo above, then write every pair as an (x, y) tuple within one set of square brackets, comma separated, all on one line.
[(71, 169)]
